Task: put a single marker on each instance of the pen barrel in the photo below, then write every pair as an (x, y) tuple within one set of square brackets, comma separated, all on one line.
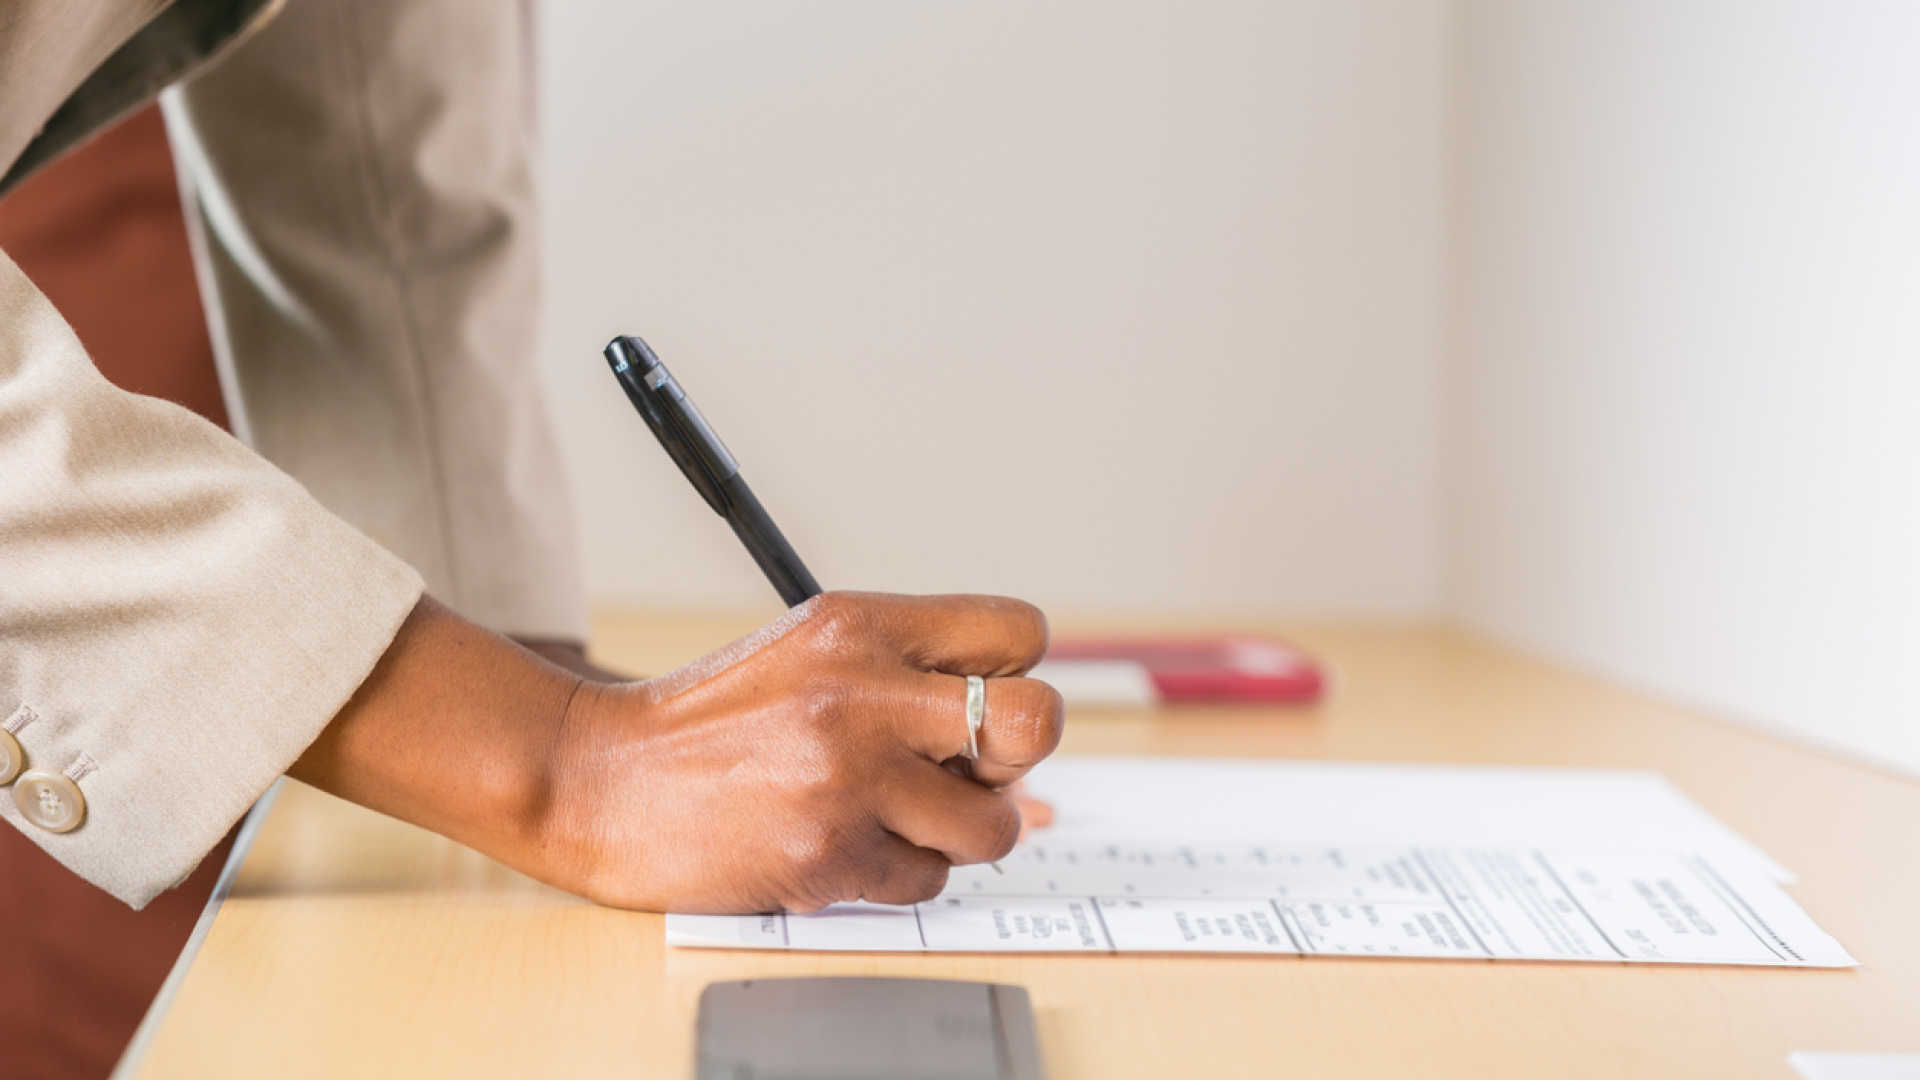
[(765, 542)]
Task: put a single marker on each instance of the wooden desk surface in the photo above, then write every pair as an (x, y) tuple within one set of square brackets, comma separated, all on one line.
[(353, 944)]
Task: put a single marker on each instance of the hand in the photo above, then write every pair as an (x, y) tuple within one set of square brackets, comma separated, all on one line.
[(796, 767), (804, 765), (572, 655)]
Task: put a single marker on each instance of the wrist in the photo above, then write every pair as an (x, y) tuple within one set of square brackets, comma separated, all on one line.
[(454, 730), (592, 761)]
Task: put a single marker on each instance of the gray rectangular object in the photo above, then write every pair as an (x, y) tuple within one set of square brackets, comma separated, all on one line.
[(865, 1029)]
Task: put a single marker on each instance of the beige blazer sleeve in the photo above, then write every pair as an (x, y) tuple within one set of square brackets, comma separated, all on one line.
[(361, 178), (178, 618)]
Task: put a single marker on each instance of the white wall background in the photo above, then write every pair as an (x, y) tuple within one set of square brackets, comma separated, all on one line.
[(1684, 402), (1594, 325), (1114, 304)]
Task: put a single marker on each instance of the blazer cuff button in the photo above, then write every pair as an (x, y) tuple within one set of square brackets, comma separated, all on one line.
[(50, 800), (12, 758)]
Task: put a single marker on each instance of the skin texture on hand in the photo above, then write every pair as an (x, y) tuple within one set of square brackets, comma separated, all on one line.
[(813, 761), (572, 656)]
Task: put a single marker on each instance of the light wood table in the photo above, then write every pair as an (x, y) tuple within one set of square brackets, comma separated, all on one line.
[(354, 945)]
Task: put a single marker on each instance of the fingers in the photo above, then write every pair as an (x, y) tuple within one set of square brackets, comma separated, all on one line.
[(954, 816), (960, 635), (1021, 725), (903, 873)]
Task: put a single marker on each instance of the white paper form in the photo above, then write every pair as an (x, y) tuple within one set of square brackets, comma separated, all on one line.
[(1216, 855), (1465, 903), (1189, 800)]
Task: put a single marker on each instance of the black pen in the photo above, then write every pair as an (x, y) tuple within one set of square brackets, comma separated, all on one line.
[(692, 444)]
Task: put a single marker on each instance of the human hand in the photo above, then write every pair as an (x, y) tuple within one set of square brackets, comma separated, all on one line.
[(571, 655), (803, 765)]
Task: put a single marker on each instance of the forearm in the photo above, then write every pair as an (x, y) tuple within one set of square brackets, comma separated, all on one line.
[(453, 731)]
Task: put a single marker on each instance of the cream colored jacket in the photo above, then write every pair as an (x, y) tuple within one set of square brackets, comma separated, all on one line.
[(180, 611)]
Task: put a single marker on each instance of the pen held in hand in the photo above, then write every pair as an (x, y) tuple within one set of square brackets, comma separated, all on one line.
[(710, 467)]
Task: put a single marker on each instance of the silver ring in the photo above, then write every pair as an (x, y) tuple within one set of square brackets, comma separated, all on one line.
[(976, 714)]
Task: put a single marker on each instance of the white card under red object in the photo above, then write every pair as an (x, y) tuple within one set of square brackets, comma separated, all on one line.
[(1150, 671)]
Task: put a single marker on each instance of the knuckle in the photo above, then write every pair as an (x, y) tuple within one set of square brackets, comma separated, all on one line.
[(804, 850), (834, 615), (1042, 633), (820, 701), (1031, 631), (829, 781), (823, 701), (812, 775), (929, 882), (818, 850)]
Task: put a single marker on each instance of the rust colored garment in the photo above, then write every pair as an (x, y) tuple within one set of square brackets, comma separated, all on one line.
[(101, 233)]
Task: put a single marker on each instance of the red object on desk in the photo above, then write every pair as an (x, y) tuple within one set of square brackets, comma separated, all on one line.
[(1192, 670)]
